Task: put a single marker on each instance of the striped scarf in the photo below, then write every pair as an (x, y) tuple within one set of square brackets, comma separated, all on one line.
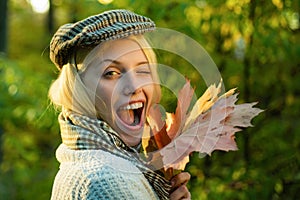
[(83, 133)]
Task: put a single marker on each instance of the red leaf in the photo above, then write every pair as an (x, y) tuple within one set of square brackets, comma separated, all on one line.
[(158, 127), (178, 119)]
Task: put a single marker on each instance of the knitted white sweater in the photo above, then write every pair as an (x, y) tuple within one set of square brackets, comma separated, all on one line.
[(97, 174)]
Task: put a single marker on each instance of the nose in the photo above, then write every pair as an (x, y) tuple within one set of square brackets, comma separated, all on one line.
[(130, 84), (130, 91)]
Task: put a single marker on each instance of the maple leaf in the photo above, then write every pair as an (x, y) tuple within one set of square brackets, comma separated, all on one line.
[(210, 125), (165, 131), (212, 129), (175, 122), (158, 126), (204, 103)]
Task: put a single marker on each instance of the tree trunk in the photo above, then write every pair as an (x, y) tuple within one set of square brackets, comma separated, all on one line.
[(50, 19), (3, 26), (3, 48), (247, 65)]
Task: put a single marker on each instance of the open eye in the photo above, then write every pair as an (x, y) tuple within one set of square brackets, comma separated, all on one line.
[(111, 73)]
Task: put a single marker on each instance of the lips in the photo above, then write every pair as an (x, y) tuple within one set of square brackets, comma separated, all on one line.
[(131, 114)]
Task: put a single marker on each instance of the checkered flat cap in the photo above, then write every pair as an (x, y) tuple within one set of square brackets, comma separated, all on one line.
[(109, 25)]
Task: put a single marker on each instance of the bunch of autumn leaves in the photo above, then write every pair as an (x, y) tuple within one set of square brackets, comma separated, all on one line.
[(210, 125)]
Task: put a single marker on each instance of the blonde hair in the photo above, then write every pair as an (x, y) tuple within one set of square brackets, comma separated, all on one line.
[(69, 92)]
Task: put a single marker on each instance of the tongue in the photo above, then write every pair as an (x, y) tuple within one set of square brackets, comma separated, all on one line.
[(127, 116)]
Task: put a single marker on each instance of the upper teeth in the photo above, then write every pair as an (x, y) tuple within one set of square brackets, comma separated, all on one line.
[(133, 106)]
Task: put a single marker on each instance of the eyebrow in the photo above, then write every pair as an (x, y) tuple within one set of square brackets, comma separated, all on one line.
[(118, 63)]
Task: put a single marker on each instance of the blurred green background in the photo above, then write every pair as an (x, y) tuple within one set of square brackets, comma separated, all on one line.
[(255, 44)]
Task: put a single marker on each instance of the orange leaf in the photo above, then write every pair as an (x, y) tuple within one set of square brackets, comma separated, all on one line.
[(178, 119), (158, 127)]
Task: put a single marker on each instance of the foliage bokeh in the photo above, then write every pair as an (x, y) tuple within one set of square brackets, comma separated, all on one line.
[(256, 46)]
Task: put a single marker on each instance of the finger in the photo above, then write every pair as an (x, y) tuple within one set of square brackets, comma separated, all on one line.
[(181, 192), (188, 197), (180, 179)]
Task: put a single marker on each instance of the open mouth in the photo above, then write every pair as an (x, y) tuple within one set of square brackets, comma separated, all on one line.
[(131, 114)]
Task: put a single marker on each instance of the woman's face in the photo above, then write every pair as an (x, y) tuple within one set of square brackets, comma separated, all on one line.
[(123, 85)]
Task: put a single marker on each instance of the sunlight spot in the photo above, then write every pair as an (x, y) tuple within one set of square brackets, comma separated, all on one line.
[(40, 6), (294, 23), (193, 15), (31, 114), (240, 46), (105, 1), (201, 3), (13, 89), (278, 4)]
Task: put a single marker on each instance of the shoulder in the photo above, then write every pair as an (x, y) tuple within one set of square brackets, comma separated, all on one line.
[(91, 161), (98, 174)]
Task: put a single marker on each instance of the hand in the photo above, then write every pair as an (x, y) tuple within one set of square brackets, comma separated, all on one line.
[(180, 191)]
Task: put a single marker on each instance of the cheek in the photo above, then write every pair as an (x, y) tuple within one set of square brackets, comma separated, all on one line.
[(104, 97), (150, 91), (91, 81), (151, 95)]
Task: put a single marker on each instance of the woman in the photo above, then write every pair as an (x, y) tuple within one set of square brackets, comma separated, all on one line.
[(107, 83)]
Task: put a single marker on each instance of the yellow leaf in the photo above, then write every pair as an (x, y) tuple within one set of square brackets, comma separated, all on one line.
[(204, 103)]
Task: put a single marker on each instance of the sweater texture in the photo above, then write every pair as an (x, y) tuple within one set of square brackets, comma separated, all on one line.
[(97, 174)]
